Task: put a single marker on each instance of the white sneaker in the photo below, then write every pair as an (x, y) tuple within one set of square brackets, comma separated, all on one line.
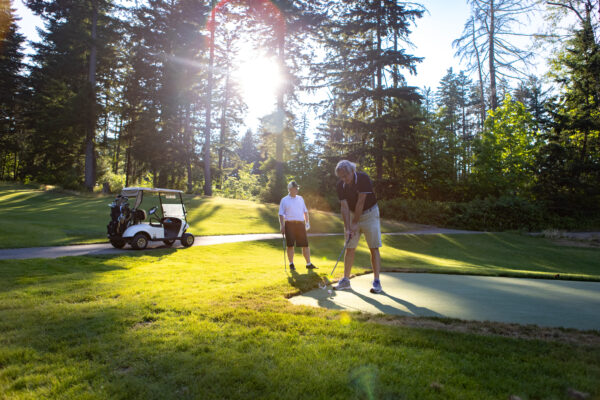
[(343, 284)]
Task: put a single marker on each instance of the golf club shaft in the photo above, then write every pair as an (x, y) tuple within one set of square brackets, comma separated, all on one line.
[(340, 256), (284, 249)]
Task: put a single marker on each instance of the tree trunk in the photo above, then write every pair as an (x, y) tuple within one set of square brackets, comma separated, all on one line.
[(494, 97), (207, 128), (90, 152), (127, 162), (118, 149), (16, 166), (279, 177), (481, 90), (379, 104), (223, 127), (190, 148)]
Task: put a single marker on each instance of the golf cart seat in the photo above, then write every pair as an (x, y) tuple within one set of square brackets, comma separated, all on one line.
[(171, 225), (139, 215)]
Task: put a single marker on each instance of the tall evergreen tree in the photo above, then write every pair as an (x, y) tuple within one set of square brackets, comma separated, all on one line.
[(12, 92), (570, 160), (64, 105), (362, 69)]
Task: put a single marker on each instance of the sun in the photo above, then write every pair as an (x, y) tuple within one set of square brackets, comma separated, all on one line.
[(259, 78)]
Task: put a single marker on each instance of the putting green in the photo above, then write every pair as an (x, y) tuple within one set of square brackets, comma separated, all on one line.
[(548, 303)]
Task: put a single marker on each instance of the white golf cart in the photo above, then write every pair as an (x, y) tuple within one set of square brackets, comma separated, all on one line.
[(167, 218)]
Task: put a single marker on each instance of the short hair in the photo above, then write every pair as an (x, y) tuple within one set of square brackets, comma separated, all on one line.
[(345, 165), (293, 184)]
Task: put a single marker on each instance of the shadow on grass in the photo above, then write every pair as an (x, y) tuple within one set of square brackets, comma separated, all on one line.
[(271, 217), (304, 282), (487, 254), (204, 211)]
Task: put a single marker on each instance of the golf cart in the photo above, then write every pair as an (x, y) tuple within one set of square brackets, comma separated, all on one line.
[(167, 218)]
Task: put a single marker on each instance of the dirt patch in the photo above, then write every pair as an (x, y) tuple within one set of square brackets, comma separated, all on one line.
[(528, 332)]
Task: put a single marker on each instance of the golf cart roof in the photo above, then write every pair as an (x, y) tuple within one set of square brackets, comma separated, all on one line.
[(133, 191)]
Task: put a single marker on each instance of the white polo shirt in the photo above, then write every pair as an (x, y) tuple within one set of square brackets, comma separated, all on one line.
[(292, 208)]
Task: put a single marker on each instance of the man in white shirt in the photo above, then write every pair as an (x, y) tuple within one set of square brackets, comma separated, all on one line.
[(293, 221)]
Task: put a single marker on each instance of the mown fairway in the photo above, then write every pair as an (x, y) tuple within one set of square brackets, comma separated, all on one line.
[(33, 217), (214, 323)]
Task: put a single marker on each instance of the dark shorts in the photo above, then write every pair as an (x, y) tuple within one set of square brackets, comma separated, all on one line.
[(295, 233)]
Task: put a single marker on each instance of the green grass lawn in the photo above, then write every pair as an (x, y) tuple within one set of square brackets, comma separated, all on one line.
[(34, 217), (213, 323)]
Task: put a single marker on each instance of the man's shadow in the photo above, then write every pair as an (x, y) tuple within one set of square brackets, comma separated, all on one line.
[(413, 310), (303, 282)]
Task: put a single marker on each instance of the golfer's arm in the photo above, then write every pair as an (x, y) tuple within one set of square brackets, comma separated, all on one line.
[(359, 207), (346, 214), (306, 217), (281, 221)]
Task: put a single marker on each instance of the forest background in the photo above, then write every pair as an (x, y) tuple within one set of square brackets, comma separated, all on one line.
[(148, 93)]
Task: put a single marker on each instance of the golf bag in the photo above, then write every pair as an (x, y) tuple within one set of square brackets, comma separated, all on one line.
[(120, 216)]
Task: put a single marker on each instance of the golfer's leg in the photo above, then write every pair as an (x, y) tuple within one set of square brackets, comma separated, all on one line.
[(306, 254), (348, 260), (375, 262), (290, 253)]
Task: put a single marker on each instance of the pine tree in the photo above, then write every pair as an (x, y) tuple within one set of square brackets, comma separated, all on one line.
[(12, 92), (74, 55), (164, 76), (361, 40), (569, 163)]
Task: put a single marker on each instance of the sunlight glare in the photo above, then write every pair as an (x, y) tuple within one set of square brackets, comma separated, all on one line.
[(259, 79)]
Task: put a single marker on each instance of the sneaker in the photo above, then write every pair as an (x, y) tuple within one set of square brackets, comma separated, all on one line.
[(311, 266), (376, 287), (292, 267), (343, 284)]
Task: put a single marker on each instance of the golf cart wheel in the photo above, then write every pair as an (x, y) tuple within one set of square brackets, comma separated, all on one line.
[(117, 243), (139, 241), (187, 240), (168, 243)]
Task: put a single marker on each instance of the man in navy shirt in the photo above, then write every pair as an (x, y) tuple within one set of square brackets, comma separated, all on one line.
[(361, 215)]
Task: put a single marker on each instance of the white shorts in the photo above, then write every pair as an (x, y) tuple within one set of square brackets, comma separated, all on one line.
[(369, 224)]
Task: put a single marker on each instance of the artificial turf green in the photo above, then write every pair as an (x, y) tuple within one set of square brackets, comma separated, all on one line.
[(213, 323)]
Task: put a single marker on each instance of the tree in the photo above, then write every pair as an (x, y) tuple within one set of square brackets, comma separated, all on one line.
[(489, 36), (505, 154), (12, 92), (248, 149), (67, 66), (570, 160), (361, 42), (165, 79)]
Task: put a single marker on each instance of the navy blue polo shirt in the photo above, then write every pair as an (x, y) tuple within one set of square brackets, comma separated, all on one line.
[(361, 184)]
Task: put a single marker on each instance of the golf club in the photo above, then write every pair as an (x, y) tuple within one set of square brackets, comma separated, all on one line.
[(340, 256), (284, 261)]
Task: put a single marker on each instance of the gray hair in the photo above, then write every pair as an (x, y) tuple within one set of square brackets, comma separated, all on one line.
[(345, 165)]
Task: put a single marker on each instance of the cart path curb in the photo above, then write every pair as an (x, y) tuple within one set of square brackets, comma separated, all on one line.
[(106, 248)]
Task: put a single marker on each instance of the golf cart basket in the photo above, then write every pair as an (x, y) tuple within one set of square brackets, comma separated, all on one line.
[(167, 218)]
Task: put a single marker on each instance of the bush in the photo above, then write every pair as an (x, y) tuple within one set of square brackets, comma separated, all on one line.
[(491, 214), (420, 211), (115, 182)]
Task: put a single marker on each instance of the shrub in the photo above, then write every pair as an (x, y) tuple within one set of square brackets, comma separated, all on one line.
[(491, 214)]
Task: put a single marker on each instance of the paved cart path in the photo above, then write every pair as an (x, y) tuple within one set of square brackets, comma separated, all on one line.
[(548, 303), (106, 248)]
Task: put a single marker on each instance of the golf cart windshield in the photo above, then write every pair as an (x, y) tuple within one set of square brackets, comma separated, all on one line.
[(172, 205), (169, 201)]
